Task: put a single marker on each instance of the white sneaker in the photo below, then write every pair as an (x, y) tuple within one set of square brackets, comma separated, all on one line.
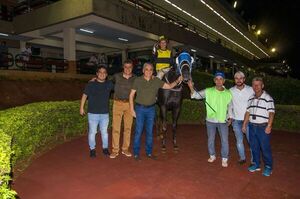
[(224, 162), (211, 159)]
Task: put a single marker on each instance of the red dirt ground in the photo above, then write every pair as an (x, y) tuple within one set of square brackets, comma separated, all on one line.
[(67, 172)]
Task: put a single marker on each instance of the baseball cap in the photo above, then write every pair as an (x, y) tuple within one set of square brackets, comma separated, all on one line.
[(220, 74)]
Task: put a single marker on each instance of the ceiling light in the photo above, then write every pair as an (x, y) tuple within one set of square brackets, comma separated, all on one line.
[(273, 50), (3, 34), (211, 56), (122, 39), (235, 4), (225, 60), (86, 30), (193, 50), (258, 32)]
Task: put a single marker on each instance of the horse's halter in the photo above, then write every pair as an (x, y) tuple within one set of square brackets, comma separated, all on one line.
[(186, 61)]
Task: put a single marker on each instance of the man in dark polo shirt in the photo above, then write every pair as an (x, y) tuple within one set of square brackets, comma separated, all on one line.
[(121, 109), (97, 92), (145, 88)]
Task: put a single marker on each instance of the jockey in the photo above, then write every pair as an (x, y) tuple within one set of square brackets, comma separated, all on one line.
[(162, 57)]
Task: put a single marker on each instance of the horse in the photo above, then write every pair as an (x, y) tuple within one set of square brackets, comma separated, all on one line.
[(171, 100)]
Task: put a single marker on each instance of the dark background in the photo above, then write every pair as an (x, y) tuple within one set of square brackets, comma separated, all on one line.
[(278, 21)]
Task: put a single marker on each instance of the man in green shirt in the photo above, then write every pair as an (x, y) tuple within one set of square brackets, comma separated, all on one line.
[(145, 88), (217, 99)]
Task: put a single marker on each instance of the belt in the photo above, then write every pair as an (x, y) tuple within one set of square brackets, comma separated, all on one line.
[(122, 100), (145, 106), (259, 124)]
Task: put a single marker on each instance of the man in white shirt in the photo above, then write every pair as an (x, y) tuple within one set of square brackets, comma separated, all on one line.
[(26, 52), (240, 95)]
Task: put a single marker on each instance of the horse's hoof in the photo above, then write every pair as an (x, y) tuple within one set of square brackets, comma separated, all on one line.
[(176, 149)]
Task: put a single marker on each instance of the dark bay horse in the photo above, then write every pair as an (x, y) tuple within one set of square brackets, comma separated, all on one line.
[(171, 100)]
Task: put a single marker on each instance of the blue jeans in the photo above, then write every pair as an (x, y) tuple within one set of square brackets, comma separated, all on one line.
[(144, 117), (259, 140), (239, 135), (211, 133), (94, 120)]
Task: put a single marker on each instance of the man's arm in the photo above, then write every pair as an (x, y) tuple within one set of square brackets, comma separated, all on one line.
[(82, 102), (245, 123), (194, 94), (131, 103), (230, 112), (173, 84), (270, 123)]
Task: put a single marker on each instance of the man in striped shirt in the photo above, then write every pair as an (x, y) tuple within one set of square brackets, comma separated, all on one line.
[(260, 114)]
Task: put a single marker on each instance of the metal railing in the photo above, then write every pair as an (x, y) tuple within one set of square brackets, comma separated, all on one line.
[(6, 60)]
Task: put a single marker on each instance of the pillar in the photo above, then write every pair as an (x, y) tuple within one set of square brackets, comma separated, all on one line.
[(70, 49)]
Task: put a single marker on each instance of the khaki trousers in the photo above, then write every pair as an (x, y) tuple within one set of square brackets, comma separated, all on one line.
[(121, 110)]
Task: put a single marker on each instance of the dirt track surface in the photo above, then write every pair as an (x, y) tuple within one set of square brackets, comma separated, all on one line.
[(67, 172)]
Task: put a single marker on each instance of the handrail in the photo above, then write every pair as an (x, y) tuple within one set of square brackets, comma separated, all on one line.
[(55, 64), (25, 62), (7, 58)]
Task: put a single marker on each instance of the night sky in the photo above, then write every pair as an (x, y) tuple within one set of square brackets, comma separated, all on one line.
[(279, 21)]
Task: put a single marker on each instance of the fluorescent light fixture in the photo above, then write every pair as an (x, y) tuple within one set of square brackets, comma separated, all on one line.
[(225, 60), (235, 4), (235, 65), (193, 50), (122, 39), (211, 56), (3, 34), (86, 30)]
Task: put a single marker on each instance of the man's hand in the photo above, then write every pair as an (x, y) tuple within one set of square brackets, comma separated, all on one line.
[(244, 129), (268, 129), (179, 79), (190, 84), (133, 113), (93, 79), (82, 112), (229, 121)]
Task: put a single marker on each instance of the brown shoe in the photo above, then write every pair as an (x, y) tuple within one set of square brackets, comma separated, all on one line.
[(127, 153), (113, 155)]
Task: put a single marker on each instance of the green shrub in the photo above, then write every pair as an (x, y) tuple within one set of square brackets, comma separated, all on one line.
[(287, 117), (283, 90), (33, 126), (5, 167)]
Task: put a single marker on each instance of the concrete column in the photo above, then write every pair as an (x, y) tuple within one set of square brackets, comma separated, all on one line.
[(70, 49), (218, 66), (22, 45), (211, 64), (124, 55)]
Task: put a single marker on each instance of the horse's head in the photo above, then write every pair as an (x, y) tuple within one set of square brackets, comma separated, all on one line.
[(184, 63)]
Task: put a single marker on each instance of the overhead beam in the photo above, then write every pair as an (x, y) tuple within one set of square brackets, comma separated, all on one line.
[(93, 40)]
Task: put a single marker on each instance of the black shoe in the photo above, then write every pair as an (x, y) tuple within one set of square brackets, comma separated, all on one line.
[(137, 158), (241, 162), (106, 152), (93, 153), (151, 156)]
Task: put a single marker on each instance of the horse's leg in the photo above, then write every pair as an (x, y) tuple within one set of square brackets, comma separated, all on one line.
[(163, 114), (175, 115)]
